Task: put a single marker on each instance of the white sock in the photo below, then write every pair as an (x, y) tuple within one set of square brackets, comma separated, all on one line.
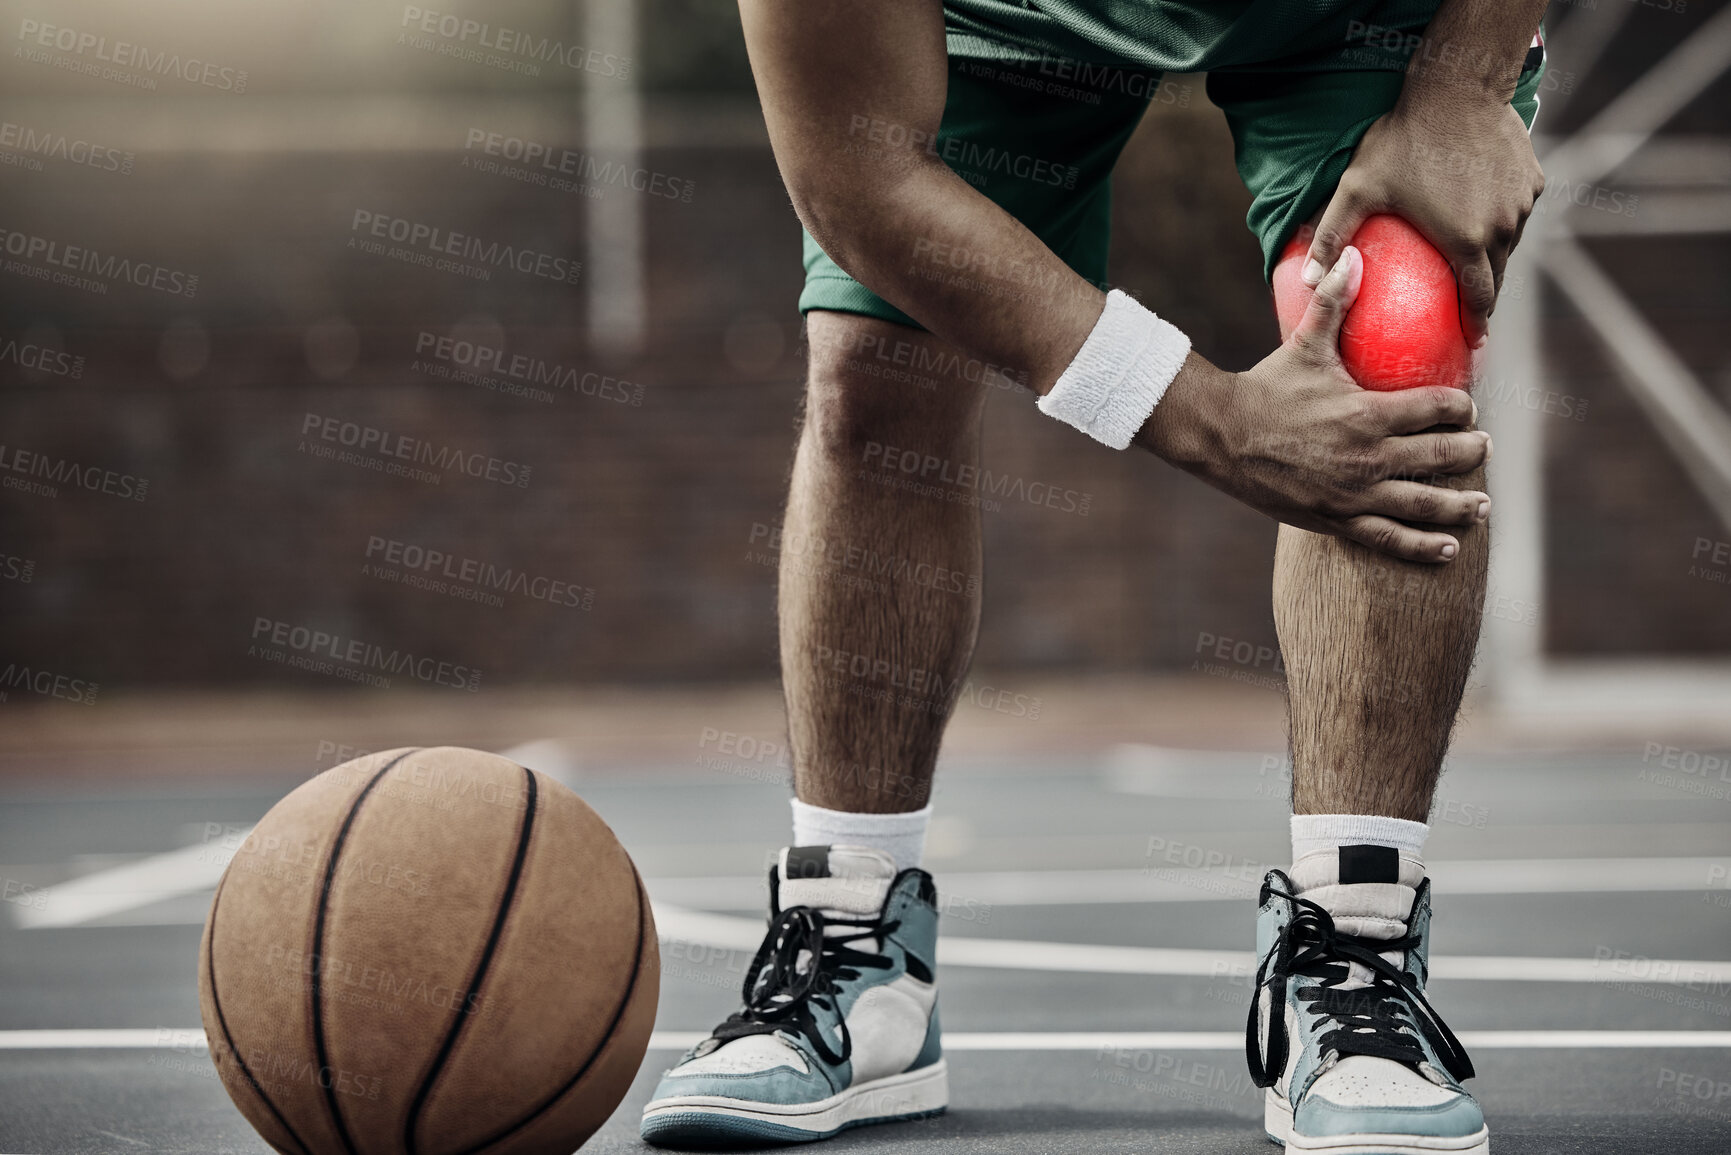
[(1315, 832), (901, 836)]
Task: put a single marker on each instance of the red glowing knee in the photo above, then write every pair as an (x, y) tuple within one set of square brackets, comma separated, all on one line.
[(1405, 329)]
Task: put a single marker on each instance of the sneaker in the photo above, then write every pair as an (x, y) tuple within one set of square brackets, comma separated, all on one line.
[(1353, 1057), (840, 1025)]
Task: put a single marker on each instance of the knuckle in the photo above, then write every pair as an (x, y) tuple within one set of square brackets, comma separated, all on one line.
[(1383, 535), (1439, 454), (1452, 406)]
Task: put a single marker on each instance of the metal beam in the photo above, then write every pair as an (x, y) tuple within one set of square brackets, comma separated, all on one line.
[(613, 132), (1579, 41), (1662, 214), (1683, 412), (1625, 124)]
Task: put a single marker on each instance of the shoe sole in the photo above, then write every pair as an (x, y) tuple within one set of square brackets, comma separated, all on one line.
[(711, 1121), (1277, 1122)]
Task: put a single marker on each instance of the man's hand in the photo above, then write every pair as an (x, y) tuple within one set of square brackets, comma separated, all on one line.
[(1465, 176), (1452, 157), (1295, 438)]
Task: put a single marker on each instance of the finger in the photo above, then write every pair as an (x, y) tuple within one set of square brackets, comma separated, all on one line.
[(1427, 504), (1415, 410), (1498, 255), (1402, 541), (1436, 454), (1478, 293), (1319, 328), (1339, 224)]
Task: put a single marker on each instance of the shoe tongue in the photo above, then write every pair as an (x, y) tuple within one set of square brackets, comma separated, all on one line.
[(1369, 890), (847, 880)]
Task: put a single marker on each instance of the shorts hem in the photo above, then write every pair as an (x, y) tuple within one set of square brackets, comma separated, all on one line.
[(845, 295)]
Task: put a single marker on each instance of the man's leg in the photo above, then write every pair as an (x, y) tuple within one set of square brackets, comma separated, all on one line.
[(1377, 653), (880, 565), (880, 603)]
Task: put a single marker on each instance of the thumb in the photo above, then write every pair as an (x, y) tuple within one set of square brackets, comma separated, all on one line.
[(1339, 224), (1319, 328)]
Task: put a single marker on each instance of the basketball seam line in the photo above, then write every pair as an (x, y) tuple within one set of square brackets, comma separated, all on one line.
[(462, 1015), (318, 947), (606, 1037), (228, 1036)]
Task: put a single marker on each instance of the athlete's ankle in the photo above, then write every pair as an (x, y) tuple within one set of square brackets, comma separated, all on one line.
[(901, 836)]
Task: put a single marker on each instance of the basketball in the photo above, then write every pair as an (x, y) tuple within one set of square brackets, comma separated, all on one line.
[(429, 951), (1404, 330)]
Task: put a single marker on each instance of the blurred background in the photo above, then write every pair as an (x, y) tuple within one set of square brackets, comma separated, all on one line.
[(376, 375), (255, 412)]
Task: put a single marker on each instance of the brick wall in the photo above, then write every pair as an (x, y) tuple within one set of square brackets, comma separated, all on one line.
[(652, 508)]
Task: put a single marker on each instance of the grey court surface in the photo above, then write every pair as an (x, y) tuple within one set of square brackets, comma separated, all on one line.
[(1098, 923)]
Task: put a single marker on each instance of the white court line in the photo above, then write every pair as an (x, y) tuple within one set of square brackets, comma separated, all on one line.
[(198, 868), (192, 1038), (122, 888), (1165, 883), (744, 934)]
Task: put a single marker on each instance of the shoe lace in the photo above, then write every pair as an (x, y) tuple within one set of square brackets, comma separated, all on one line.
[(1384, 1019), (798, 969)]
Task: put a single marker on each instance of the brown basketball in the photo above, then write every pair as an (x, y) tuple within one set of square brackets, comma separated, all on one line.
[(428, 952)]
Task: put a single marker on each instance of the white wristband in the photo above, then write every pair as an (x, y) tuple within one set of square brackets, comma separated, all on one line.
[(1120, 374)]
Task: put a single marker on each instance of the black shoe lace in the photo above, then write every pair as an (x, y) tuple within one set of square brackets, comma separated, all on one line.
[(1384, 1019), (797, 969)]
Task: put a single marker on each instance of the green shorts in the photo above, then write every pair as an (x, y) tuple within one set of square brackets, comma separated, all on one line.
[(1039, 134)]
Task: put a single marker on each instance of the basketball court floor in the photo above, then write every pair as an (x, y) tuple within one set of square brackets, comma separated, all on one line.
[(1098, 916)]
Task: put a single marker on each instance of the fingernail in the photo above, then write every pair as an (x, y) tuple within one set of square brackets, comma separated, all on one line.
[(1487, 447), (1484, 510), (1313, 271), (1448, 550), (1475, 417)]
